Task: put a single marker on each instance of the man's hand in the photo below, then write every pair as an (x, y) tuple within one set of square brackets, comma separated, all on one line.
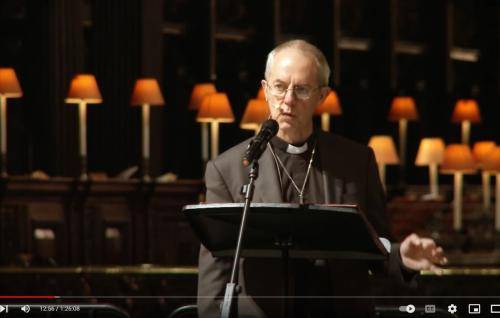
[(421, 253)]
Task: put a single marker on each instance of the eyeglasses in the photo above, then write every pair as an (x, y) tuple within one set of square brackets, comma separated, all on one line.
[(302, 92)]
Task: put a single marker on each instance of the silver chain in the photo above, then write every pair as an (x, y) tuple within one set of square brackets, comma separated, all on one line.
[(300, 191)]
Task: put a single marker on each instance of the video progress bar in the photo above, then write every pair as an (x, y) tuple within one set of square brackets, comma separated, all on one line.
[(28, 297)]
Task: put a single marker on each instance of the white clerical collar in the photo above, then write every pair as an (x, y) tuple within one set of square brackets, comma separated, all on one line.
[(294, 150)]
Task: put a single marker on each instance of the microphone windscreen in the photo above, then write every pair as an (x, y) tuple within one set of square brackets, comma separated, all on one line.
[(271, 125)]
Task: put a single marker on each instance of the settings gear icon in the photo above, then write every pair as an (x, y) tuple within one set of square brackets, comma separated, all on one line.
[(452, 309)]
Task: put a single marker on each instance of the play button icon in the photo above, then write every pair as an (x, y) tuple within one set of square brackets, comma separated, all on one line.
[(2, 308)]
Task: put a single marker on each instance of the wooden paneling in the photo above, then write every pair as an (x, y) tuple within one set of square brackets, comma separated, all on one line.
[(105, 222)]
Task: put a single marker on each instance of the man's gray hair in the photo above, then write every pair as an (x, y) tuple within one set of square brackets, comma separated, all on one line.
[(305, 47)]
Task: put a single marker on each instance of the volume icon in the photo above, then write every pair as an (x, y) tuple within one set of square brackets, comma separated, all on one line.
[(25, 308)]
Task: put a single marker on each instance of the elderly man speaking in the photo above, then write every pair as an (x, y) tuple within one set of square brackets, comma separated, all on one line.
[(301, 165)]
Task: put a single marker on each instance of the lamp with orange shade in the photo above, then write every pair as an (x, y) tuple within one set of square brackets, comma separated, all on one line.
[(403, 109), (430, 153), (481, 151), (215, 109), (9, 88), (385, 153), (330, 106), (199, 92), (146, 93), (255, 114), (466, 112), (83, 90), (492, 165), (458, 161)]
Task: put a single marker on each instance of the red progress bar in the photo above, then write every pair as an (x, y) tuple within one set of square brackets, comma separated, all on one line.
[(28, 297)]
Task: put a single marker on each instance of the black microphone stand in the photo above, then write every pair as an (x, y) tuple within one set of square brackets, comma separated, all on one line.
[(232, 287)]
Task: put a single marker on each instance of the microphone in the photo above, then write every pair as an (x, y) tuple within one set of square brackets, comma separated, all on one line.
[(257, 146)]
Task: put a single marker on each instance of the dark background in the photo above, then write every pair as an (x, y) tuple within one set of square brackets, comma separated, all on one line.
[(435, 51)]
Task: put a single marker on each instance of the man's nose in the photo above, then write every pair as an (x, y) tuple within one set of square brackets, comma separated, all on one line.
[(289, 96)]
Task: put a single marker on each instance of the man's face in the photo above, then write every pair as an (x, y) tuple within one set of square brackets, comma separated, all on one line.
[(297, 72)]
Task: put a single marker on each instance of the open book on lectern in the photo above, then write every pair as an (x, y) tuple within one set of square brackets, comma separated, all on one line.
[(305, 231)]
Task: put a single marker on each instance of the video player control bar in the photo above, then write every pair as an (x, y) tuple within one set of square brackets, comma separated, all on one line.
[(62, 310)]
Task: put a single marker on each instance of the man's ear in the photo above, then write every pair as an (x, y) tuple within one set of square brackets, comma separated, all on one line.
[(324, 92), (263, 84)]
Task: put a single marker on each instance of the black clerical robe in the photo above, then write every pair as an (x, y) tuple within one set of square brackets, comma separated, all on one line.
[(344, 172)]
